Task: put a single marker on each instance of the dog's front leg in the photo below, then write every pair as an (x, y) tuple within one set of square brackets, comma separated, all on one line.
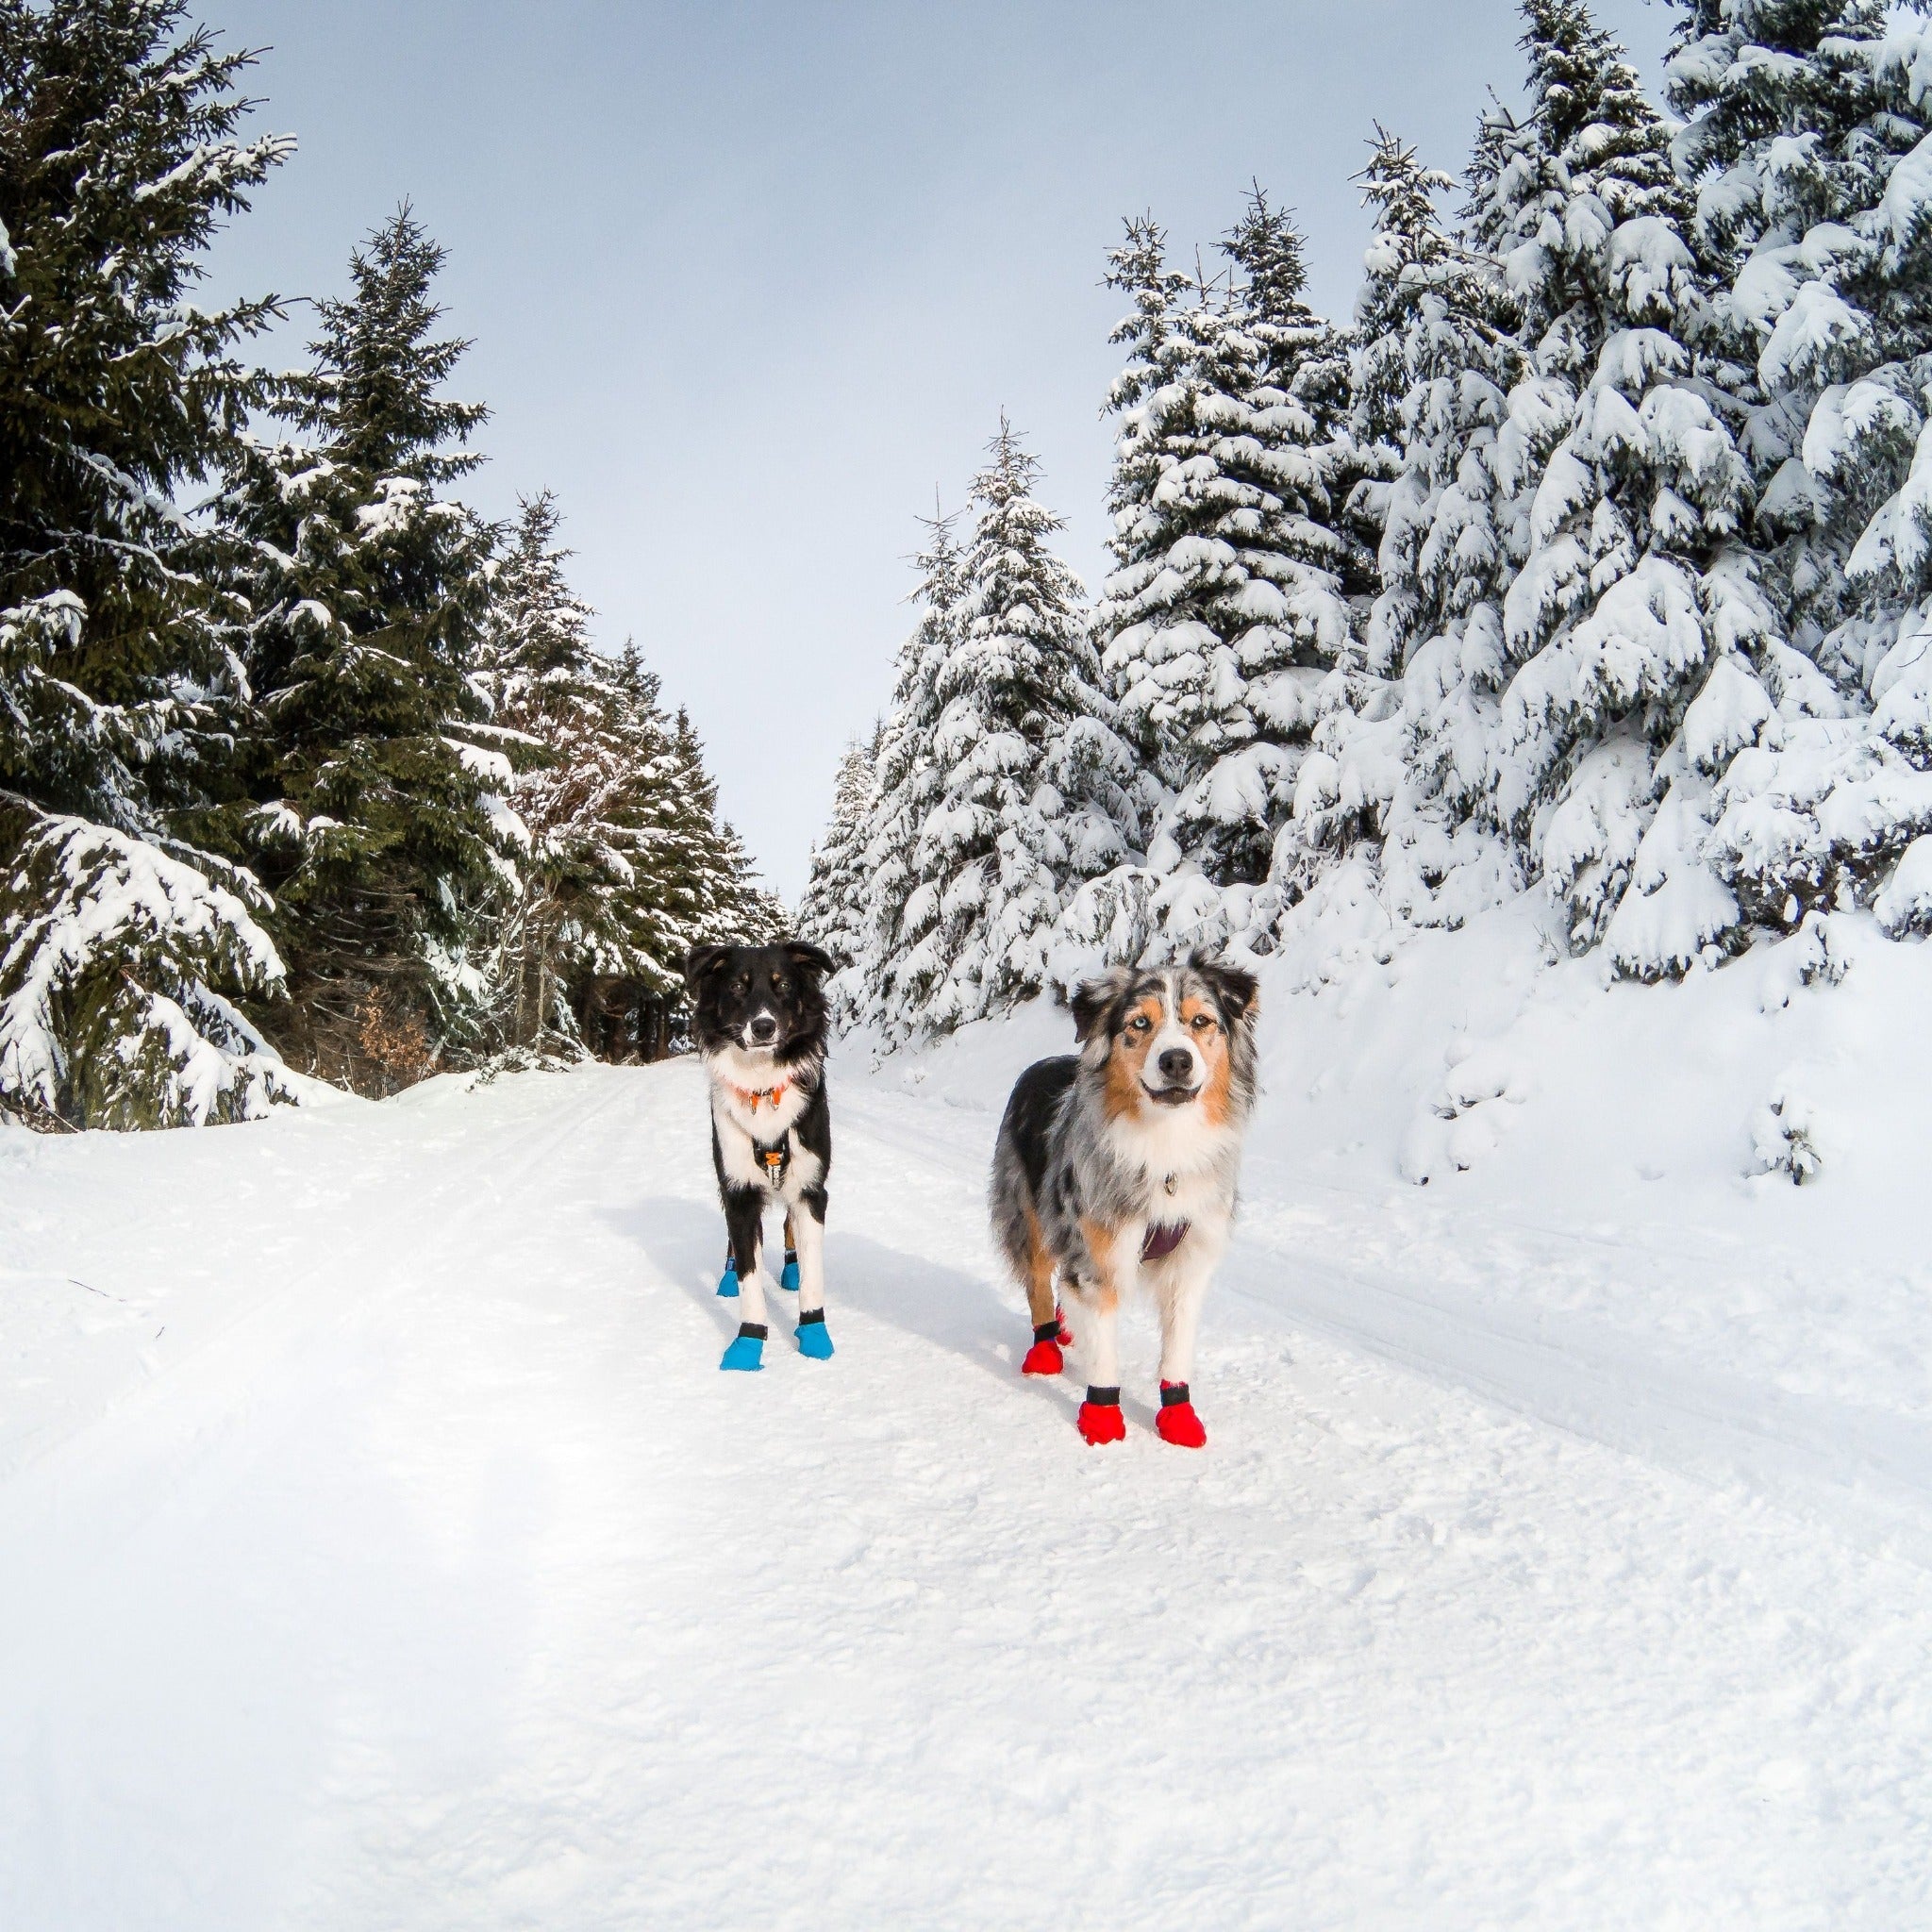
[(808, 1229), (1180, 1297), (1100, 1300), (744, 1219)]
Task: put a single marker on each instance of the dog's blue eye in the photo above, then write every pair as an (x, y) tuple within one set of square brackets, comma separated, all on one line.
[(1140, 1023)]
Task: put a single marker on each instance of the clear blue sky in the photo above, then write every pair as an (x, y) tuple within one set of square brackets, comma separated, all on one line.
[(747, 281)]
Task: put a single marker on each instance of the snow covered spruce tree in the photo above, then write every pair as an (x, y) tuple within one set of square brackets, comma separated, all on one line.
[(549, 717), (1434, 357), (832, 912), (625, 867), (378, 824), (1806, 136), (670, 872), (1639, 635), (704, 884), (907, 787), (123, 943), (1018, 740), (1229, 605)]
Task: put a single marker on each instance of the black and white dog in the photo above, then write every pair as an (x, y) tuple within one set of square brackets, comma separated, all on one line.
[(759, 1021), (1115, 1169)]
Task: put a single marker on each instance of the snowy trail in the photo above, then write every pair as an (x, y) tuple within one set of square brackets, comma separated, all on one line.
[(424, 1571)]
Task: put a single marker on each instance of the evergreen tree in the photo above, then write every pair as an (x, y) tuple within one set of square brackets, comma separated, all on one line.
[(1434, 358), (900, 910), (832, 912), (1230, 604), (1795, 114), (1805, 131), (991, 858), (626, 866), (1156, 655), (123, 942), (1635, 595), (705, 878), (550, 715), (379, 824)]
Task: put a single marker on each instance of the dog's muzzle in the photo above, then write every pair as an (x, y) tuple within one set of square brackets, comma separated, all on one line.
[(761, 1031)]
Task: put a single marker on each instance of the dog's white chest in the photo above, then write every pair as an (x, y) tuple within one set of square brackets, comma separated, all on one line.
[(1202, 1195), (751, 1092), (1183, 1173), (760, 1116), (755, 1140)]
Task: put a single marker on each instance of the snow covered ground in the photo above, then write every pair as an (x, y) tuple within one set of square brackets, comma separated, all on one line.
[(380, 1547)]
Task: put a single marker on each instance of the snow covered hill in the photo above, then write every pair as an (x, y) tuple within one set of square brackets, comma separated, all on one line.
[(380, 1547)]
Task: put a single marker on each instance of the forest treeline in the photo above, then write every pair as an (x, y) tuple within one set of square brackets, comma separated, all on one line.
[(1590, 554), (302, 762)]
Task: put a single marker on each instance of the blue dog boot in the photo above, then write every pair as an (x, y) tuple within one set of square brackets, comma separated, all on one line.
[(790, 1278), (747, 1350), (727, 1282), (813, 1339)]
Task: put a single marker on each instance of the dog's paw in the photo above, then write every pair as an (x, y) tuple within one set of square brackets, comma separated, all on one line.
[(813, 1339), (1177, 1423), (727, 1282), (1043, 1358), (1102, 1420), (747, 1349), (789, 1278)]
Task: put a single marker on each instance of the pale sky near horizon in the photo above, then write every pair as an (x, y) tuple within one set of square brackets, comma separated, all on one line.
[(746, 282)]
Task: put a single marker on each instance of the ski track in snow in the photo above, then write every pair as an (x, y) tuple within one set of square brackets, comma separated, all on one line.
[(422, 1571)]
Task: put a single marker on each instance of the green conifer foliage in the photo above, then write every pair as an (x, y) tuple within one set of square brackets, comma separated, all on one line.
[(625, 865), (123, 942), (832, 912), (991, 858), (377, 820), (1229, 605), (1807, 136), (900, 910)]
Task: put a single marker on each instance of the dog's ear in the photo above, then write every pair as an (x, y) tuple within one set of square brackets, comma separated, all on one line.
[(810, 958), (701, 962), (1237, 989), (1093, 997)]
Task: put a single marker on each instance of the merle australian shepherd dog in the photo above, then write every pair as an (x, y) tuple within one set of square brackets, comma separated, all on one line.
[(1115, 1169), (760, 1022)]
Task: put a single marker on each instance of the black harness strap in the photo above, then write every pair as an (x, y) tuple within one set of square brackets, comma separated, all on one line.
[(774, 1160)]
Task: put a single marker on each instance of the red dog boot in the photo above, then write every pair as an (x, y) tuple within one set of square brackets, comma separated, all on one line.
[(1100, 1417), (1065, 1334), (1177, 1423), (1044, 1356)]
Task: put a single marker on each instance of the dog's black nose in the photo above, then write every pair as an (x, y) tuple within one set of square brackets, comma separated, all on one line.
[(1178, 1064), (764, 1028)]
